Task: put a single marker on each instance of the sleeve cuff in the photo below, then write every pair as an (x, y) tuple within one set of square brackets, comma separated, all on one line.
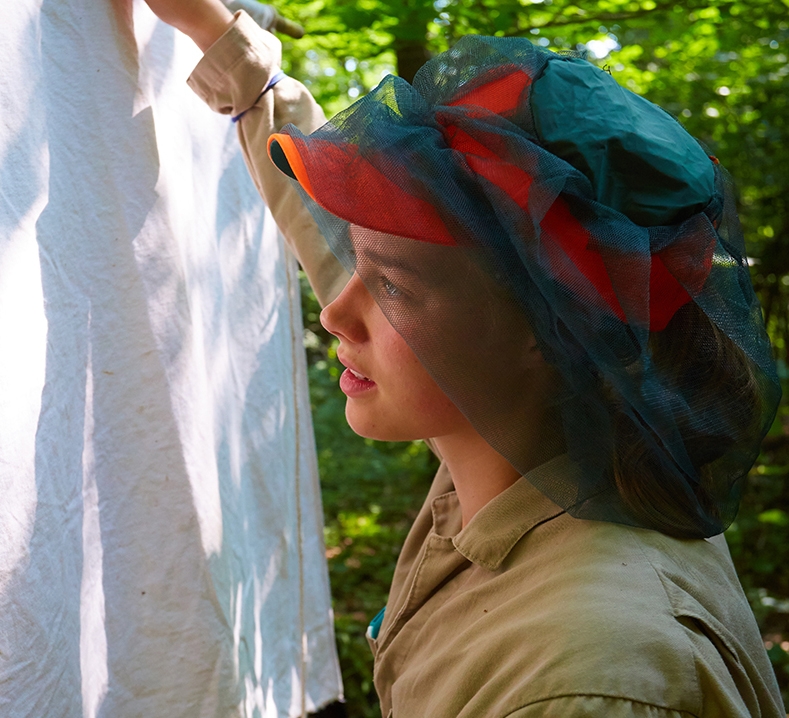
[(237, 67)]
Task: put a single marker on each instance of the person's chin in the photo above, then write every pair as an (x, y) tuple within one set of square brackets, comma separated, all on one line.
[(372, 424)]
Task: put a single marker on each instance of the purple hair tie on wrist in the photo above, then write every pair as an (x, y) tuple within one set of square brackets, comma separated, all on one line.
[(275, 78)]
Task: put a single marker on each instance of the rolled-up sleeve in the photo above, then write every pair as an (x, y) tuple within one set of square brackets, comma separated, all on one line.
[(231, 78)]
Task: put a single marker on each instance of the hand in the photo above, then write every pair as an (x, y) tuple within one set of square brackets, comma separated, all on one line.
[(205, 21), (266, 16)]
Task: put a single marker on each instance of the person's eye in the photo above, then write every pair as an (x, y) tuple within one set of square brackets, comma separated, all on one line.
[(390, 288)]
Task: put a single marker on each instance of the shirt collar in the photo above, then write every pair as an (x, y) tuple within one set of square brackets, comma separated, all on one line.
[(495, 529)]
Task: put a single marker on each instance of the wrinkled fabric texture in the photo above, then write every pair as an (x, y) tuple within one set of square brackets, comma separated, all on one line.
[(161, 544), (624, 261), (527, 612), (639, 161)]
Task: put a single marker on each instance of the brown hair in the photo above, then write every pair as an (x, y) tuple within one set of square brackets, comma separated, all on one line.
[(714, 375)]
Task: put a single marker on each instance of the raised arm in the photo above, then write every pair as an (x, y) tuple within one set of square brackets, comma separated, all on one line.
[(240, 60), (205, 21)]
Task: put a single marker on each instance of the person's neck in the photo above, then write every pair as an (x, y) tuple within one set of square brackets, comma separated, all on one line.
[(478, 472)]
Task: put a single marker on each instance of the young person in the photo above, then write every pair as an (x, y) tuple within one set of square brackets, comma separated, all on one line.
[(543, 276)]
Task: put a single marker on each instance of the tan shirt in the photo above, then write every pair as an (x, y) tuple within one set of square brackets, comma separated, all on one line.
[(526, 611), (529, 612)]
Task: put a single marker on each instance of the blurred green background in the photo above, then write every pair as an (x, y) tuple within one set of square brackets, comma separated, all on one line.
[(721, 68)]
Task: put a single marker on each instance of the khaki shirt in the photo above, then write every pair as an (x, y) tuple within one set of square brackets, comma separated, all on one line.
[(526, 611), (529, 612)]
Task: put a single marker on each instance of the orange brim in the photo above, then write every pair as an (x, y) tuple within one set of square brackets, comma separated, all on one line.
[(283, 153)]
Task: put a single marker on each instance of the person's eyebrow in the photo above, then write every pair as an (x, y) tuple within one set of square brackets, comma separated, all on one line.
[(371, 255)]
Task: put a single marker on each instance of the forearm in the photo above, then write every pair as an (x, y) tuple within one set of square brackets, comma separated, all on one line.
[(205, 21)]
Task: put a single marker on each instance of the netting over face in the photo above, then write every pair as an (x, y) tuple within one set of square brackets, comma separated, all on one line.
[(479, 224)]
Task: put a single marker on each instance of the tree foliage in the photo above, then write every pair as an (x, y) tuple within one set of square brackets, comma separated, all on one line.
[(720, 66)]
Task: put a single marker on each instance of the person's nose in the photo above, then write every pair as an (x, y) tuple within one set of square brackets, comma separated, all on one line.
[(345, 316)]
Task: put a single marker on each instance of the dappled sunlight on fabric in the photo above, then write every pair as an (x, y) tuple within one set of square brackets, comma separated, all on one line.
[(23, 328), (148, 440), (93, 632)]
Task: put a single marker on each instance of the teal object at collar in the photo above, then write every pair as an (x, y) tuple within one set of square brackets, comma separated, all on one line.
[(375, 624)]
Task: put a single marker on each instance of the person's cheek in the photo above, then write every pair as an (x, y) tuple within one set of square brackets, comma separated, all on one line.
[(402, 374), (411, 392)]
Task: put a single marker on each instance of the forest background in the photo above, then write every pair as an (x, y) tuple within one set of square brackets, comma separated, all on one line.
[(721, 68)]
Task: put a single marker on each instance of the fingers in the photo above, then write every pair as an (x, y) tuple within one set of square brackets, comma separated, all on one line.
[(288, 27)]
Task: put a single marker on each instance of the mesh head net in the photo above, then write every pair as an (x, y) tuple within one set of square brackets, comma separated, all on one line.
[(514, 198)]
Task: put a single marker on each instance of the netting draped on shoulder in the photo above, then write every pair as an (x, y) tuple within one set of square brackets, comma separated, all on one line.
[(512, 193)]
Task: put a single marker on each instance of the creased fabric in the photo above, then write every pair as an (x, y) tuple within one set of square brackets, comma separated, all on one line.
[(160, 531), (527, 612)]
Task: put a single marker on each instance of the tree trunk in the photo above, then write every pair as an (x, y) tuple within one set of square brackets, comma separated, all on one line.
[(411, 55)]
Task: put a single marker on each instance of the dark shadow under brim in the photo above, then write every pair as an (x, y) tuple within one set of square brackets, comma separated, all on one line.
[(280, 160)]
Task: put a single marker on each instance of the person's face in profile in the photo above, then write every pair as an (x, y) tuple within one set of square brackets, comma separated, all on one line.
[(410, 298)]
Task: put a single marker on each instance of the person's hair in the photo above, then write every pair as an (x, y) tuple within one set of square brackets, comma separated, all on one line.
[(717, 380)]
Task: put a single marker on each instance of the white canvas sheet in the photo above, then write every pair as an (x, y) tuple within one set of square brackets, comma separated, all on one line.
[(160, 524)]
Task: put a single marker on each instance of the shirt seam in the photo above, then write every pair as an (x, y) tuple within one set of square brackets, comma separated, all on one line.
[(413, 644), (673, 613), (435, 499), (230, 71), (512, 538), (385, 638), (217, 64), (220, 67), (601, 695)]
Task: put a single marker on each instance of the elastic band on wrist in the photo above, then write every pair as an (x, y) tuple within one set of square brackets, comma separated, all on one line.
[(275, 78)]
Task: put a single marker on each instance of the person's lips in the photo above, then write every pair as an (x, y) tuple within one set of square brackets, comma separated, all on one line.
[(353, 381)]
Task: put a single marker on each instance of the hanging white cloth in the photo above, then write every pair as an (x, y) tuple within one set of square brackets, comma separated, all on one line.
[(161, 544)]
